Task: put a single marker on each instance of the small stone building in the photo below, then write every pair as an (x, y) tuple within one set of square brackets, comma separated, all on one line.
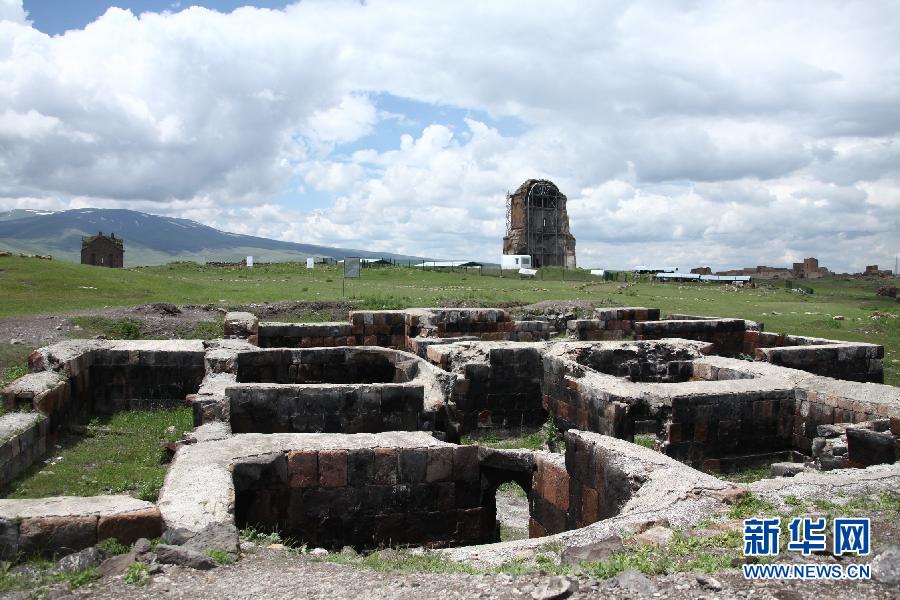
[(103, 250)]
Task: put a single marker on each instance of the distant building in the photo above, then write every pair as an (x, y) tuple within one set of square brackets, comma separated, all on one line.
[(103, 250), (808, 269), (701, 271), (537, 225), (873, 270)]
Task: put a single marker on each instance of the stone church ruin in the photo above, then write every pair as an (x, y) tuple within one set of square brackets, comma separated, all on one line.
[(537, 225), (348, 433)]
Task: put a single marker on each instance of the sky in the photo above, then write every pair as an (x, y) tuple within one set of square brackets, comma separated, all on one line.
[(720, 133)]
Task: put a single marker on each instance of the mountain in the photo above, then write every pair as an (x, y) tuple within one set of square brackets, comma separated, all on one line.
[(21, 213), (151, 239)]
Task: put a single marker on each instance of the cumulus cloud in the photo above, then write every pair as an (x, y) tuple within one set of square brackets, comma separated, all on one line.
[(708, 132)]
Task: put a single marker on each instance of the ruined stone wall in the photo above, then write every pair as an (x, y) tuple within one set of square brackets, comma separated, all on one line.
[(327, 409), (65, 524), (818, 400), (323, 365), (503, 391), (23, 440), (705, 428), (580, 400), (367, 497), (726, 334), (611, 323), (410, 329)]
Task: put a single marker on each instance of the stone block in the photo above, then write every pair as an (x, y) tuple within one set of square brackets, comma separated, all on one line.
[(361, 467), (303, 469), (439, 464), (333, 468), (49, 535), (385, 466), (866, 447), (128, 527), (9, 539), (412, 465)]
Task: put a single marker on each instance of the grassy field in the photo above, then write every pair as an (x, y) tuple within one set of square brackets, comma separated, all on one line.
[(34, 286), (118, 455)]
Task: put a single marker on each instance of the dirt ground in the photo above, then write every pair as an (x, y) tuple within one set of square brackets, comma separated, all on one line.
[(20, 335), (283, 574)]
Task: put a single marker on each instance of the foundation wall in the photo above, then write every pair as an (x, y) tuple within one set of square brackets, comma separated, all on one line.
[(23, 440), (504, 391), (305, 335), (852, 362), (591, 483), (817, 401), (394, 329), (322, 365), (706, 428), (582, 403), (328, 409), (65, 524), (368, 498), (726, 334)]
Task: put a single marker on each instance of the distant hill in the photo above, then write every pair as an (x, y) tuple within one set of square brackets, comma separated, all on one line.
[(151, 239)]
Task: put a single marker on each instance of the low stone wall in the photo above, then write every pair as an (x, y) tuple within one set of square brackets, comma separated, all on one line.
[(256, 408), (704, 428), (610, 323), (390, 328), (726, 334), (498, 383), (853, 362), (305, 335), (23, 440), (818, 400), (333, 490), (64, 524), (598, 479), (325, 365), (103, 377), (549, 501)]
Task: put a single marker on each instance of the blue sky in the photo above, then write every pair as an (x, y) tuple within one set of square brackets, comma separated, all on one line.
[(701, 133), (57, 16)]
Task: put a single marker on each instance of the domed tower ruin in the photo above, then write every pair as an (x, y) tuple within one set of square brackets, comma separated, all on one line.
[(537, 224)]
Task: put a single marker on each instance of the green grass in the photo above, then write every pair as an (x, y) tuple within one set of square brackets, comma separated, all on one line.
[(113, 547), (530, 441), (514, 488), (746, 475), (137, 574), (645, 440), (13, 361), (39, 575), (33, 286), (221, 556), (120, 455), (750, 506), (127, 328)]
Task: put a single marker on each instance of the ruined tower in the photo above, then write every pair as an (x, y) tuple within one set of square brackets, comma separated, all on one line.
[(537, 224)]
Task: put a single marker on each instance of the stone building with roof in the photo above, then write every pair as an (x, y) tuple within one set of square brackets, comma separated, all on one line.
[(103, 250)]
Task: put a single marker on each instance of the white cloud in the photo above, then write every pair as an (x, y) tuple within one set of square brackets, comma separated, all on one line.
[(709, 132), (12, 10)]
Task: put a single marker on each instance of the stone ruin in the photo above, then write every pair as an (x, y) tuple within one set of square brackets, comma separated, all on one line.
[(349, 433), (537, 224)]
